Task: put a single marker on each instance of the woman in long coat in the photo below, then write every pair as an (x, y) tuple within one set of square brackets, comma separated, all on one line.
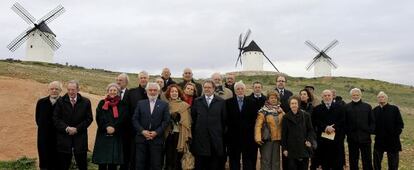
[(270, 117), (297, 136), (178, 132), (108, 153)]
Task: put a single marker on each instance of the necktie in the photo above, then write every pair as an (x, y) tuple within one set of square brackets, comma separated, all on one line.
[(72, 101), (152, 105), (208, 101), (328, 106), (282, 93), (122, 94), (240, 103)]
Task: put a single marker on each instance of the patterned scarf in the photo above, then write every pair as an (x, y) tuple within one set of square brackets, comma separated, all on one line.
[(113, 102)]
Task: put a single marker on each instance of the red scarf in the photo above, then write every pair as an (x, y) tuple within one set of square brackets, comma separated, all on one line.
[(113, 102)]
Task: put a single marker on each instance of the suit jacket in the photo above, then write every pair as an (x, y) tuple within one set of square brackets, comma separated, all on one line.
[(389, 126), (359, 122), (167, 82), (240, 123), (208, 126), (258, 103), (157, 121), (323, 117), (79, 116), (125, 98), (284, 99)]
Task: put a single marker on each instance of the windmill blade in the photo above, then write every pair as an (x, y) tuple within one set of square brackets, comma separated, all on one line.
[(54, 44), (26, 16), (52, 15), (239, 58), (240, 41), (310, 64), (331, 45), (270, 62), (19, 40), (313, 46), (333, 63), (246, 37)]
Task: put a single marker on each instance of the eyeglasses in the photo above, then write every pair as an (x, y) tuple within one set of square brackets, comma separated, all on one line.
[(281, 81)]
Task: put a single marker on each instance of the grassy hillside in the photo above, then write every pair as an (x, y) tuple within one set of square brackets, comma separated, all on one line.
[(95, 80)]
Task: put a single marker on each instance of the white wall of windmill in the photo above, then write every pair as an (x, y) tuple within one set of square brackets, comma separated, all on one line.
[(37, 49), (252, 61), (322, 68)]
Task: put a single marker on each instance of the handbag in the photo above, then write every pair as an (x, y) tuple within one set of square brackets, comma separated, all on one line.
[(265, 130), (187, 161)]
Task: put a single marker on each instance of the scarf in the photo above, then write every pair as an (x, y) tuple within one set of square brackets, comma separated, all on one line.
[(113, 102)]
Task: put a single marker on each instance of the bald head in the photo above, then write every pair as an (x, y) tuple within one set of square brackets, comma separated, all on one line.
[(187, 74), (217, 79)]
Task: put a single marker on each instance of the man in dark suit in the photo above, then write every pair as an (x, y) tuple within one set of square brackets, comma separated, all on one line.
[(257, 96), (328, 118), (230, 80), (46, 131), (72, 117), (209, 115), (150, 119), (188, 77), (166, 76), (132, 97), (122, 80), (284, 104), (359, 125), (283, 93), (389, 125), (241, 119)]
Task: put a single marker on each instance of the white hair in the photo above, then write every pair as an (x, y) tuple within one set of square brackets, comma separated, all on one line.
[(216, 74), (142, 73), (152, 84), (125, 76), (239, 83), (76, 82), (381, 93), (327, 90), (55, 83), (355, 90), (113, 85)]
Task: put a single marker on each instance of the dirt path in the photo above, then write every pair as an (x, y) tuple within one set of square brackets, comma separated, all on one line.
[(18, 129)]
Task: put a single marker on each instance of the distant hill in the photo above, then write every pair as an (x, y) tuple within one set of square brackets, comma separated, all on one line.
[(94, 81), (23, 83)]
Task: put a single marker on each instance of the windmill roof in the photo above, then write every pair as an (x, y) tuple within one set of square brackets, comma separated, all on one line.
[(252, 47), (44, 28)]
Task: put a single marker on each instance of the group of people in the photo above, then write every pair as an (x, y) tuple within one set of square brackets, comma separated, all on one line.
[(187, 125)]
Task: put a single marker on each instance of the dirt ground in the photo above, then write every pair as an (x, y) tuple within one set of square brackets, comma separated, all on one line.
[(18, 129)]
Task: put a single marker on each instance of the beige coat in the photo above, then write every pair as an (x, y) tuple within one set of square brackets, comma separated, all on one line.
[(275, 128), (181, 107)]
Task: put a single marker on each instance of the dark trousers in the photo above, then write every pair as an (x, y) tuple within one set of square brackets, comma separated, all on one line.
[(149, 156), (48, 157), (107, 167), (354, 150), (248, 154), (208, 162), (65, 160), (172, 156), (129, 151), (393, 158), (298, 164)]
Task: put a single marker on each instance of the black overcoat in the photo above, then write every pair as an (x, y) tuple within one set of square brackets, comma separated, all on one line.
[(209, 125), (46, 133), (389, 125), (79, 117)]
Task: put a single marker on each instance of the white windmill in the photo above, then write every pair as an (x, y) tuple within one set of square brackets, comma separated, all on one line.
[(41, 42), (251, 55), (322, 63)]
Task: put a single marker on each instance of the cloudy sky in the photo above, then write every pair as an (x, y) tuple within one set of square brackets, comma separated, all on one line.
[(375, 36)]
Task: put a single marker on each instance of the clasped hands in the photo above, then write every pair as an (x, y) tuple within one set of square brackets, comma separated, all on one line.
[(149, 135)]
